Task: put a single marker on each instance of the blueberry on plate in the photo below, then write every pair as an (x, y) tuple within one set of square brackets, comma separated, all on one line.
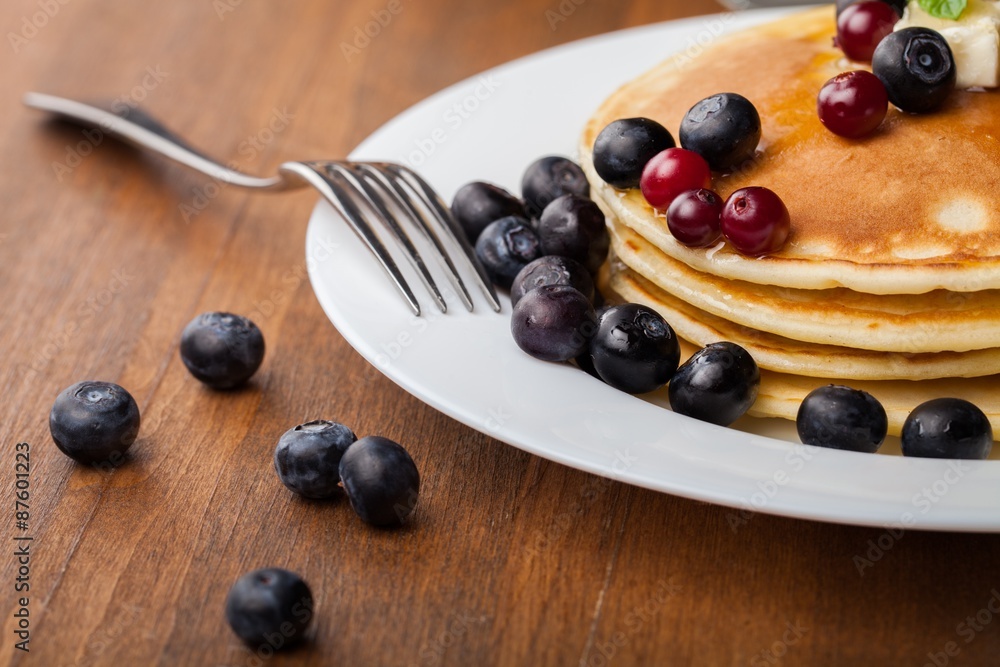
[(221, 349), (94, 422), (634, 349), (917, 68), (553, 323), (477, 204), (840, 417), (307, 458), (947, 428), (505, 247), (718, 384), (549, 178), (624, 147), (381, 481), (724, 129), (552, 270), (269, 607), (574, 226)]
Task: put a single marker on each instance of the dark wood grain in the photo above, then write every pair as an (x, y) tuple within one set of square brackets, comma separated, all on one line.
[(510, 559)]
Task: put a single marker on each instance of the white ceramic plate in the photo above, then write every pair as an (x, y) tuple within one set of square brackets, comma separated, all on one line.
[(491, 127)]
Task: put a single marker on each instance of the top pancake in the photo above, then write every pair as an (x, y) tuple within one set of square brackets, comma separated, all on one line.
[(909, 209)]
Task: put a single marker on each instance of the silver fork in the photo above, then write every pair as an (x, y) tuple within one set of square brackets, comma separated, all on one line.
[(360, 191)]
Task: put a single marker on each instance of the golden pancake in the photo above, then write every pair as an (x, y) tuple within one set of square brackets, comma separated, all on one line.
[(794, 357), (908, 210), (938, 321)]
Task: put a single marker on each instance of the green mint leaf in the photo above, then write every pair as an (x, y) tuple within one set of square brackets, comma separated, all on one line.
[(944, 9)]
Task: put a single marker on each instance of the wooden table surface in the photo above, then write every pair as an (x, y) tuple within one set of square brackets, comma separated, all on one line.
[(510, 559)]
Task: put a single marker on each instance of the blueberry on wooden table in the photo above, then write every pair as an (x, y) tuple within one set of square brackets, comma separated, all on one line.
[(307, 458), (718, 384), (270, 607), (947, 428), (574, 226), (381, 481), (840, 417), (634, 349), (221, 349), (505, 247), (549, 178), (94, 422), (477, 204)]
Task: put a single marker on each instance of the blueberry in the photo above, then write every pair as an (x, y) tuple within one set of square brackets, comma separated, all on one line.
[(916, 67), (381, 481), (505, 247), (553, 323), (552, 270), (221, 349), (477, 204), (724, 129), (94, 422), (634, 349), (269, 607), (839, 417), (624, 147), (898, 5), (307, 458), (549, 178), (574, 226), (718, 384), (947, 428)]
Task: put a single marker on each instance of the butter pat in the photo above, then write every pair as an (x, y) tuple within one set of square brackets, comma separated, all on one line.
[(974, 40)]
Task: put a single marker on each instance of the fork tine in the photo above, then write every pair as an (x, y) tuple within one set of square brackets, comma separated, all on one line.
[(376, 203), (340, 198), (430, 198), (401, 197)]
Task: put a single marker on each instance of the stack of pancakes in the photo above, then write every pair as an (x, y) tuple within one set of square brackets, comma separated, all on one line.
[(890, 280)]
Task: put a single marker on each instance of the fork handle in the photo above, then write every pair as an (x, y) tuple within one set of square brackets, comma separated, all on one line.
[(138, 128)]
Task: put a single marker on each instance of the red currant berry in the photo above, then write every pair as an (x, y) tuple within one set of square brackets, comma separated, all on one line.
[(672, 172), (694, 218), (862, 26), (755, 221), (852, 104)]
